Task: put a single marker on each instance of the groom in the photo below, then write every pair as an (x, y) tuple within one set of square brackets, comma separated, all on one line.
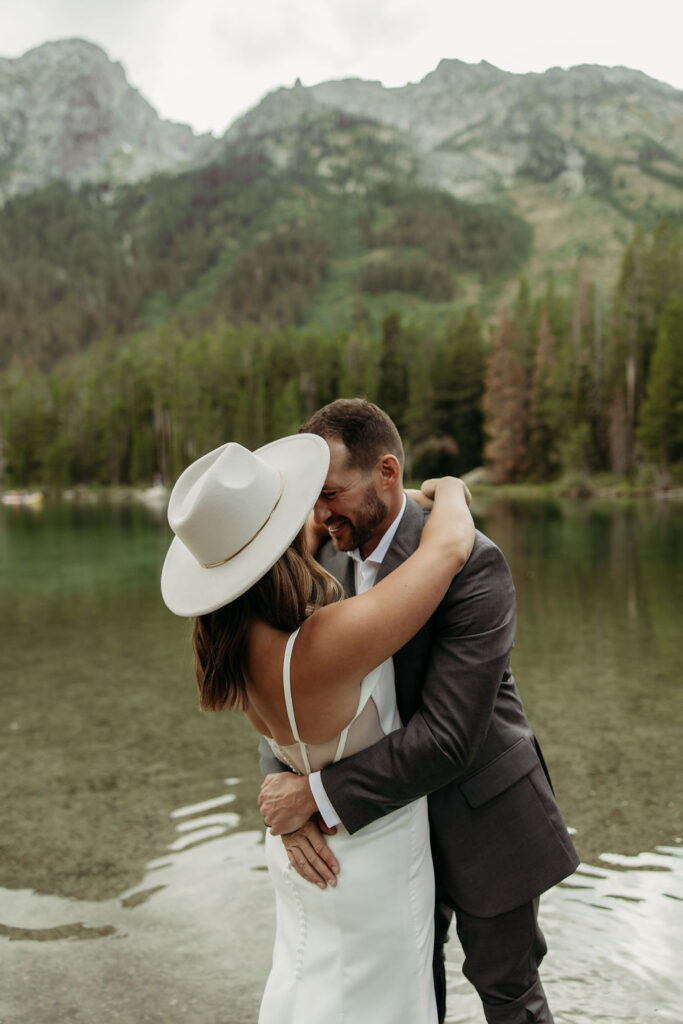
[(498, 839)]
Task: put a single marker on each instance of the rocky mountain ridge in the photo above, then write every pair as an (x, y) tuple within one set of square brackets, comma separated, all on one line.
[(476, 129), (581, 155), (68, 112)]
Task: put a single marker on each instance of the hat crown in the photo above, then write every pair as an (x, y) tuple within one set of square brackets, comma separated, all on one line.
[(222, 501), (234, 513)]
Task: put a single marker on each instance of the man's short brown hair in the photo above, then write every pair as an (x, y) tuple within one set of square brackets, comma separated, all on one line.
[(365, 430)]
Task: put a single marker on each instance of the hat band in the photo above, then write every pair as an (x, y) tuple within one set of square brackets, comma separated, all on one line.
[(213, 565)]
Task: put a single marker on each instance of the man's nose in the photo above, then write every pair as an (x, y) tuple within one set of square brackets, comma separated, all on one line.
[(321, 512)]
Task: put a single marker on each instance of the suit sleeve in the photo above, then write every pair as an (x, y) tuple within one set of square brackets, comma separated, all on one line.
[(267, 760), (472, 633)]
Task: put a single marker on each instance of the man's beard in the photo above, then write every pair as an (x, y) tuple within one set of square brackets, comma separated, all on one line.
[(367, 519)]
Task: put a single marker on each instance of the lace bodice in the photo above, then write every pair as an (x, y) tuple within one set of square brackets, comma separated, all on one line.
[(376, 715)]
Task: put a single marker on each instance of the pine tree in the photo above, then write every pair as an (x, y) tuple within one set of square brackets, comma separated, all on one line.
[(393, 384), (505, 407), (650, 275), (458, 390), (626, 354), (421, 414), (661, 424), (522, 318), (543, 412), (586, 413)]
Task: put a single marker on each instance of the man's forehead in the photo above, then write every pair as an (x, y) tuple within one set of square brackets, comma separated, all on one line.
[(341, 473), (340, 457), (340, 478), (338, 451)]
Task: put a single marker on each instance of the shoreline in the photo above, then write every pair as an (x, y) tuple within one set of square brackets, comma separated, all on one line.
[(585, 491), (602, 486)]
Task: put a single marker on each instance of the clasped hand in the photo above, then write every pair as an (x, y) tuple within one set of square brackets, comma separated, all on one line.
[(289, 810), (425, 496)]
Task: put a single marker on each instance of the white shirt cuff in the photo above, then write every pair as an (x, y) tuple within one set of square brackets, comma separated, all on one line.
[(329, 815)]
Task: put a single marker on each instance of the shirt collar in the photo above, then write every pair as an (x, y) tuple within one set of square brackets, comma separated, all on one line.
[(377, 556)]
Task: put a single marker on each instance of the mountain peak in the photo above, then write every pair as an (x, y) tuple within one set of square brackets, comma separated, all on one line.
[(72, 45), (448, 67), (74, 52), (68, 112), (477, 131)]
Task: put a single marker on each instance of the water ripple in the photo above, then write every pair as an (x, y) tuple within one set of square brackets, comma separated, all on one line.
[(201, 922)]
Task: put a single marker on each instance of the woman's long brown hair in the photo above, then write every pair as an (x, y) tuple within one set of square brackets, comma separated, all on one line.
[(288, 593)]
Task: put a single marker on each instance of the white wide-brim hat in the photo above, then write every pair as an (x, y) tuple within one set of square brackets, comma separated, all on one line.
[(234, 513)]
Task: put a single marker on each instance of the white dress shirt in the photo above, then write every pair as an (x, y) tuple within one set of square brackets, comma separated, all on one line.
[(365, 573)]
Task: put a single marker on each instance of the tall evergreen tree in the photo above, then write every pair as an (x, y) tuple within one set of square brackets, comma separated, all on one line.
[(543, 405), (626, 353), (650, 274), (458, 390), (505, 406), (523, 320), (393, 384), (586, 411), (421, 415), (661, 425)]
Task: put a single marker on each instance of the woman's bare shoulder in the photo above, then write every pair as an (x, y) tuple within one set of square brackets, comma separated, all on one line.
[(266, 655)]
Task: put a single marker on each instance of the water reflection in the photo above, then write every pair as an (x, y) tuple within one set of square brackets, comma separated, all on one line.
[(191, 942), (597, 656), (131, 848), (614, 937), (200, 826)]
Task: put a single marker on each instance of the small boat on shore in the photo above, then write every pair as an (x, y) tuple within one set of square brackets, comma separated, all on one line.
[(34, 499)]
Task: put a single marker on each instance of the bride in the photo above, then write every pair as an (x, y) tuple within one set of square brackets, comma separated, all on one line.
[(271, 639)]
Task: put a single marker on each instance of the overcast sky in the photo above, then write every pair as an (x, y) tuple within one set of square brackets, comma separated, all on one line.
[(205, 62)]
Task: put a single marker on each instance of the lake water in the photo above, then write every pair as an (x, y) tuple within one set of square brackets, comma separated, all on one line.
[(132, 875)]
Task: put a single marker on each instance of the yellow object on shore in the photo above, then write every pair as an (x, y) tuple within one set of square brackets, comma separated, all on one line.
[(33, 498)]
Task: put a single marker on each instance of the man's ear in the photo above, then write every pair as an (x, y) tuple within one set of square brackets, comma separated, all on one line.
[(389, 471)]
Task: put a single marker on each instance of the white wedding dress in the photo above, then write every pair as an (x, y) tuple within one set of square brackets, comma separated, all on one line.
[(359, 953)]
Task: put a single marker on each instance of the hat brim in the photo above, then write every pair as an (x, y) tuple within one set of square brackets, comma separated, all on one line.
[(189, 589)]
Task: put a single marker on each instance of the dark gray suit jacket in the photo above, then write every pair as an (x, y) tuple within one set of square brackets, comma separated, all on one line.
[(498, 837)]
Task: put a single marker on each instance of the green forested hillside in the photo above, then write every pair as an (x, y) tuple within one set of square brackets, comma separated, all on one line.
[(140, 326), (561, 388), (240, 239)]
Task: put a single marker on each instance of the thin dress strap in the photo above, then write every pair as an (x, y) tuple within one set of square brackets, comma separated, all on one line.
[(287, 684), (366, 690)]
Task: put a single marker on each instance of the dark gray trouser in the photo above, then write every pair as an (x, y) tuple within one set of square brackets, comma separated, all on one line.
[(502, 956)]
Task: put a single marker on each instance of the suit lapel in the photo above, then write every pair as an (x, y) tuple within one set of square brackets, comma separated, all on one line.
[(406, 660), (406, 539), (340, 565)]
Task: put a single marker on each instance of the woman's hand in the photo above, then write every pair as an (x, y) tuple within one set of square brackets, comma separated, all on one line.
[(419, 498), (310, 855), (425, 496), (450, 524)]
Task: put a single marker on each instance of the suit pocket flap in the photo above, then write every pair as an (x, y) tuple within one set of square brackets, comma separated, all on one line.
[(495, 777)]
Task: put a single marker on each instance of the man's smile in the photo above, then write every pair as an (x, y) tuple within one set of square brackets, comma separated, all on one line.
[(337, 526)]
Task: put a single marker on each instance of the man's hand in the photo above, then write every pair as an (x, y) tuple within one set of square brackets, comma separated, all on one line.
[(310, 855), (286, 802)]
